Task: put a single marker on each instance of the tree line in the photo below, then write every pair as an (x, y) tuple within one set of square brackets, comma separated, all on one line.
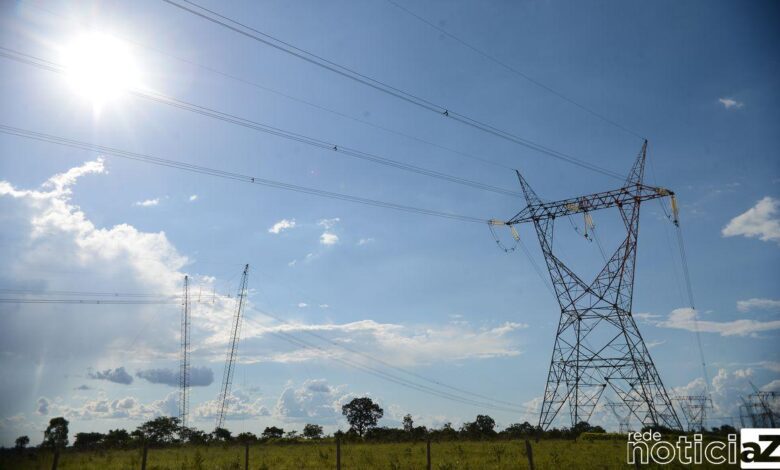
[(362, 414)]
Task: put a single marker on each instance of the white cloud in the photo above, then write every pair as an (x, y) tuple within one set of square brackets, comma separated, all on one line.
[(240, 406), (365, 241), (281, 226), (148, 202), (47, 235), (328, 224), (193, 198), (399, 344), (314, 401), (328, 238), (756, 304), (759, 221), (686, 319), (730, 103), (302, 305), (128, 407)]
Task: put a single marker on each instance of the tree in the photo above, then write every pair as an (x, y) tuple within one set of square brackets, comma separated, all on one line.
[(312, 431), (22, 442), (222, 434), (117, 439), (408, 423), (160, 430), (56, 435), (89, 440), (518, 430), (483, 426), (273, 433), (246, 438), (194, 436), (362, 414)]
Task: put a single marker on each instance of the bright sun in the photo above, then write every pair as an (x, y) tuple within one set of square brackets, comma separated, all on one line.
[(99, 67)]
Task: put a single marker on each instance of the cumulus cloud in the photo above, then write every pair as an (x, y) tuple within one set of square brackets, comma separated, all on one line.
[(687, 319), (400, 344), (726, 389), (760, 221), (47, 233), (730, 103), (193, 198), (42, 406), (757, 304), (365, 241), (328, 238), (241, 405), (199, 376), (281, 226), (128, 407), (328, 224), (148, 202), (313, 401), (118, 375)]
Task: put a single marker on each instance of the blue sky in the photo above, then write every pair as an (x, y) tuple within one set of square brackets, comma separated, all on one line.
[(430, 295)]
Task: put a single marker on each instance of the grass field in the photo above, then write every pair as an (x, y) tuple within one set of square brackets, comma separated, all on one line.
[(548, 454)]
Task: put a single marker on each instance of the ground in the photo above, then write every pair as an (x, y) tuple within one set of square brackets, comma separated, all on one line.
[(500, 455)]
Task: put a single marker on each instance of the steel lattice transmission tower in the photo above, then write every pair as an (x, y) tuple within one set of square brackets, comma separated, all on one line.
[(184, 370), (622, 414), (694, 408), (597, 343), (235, 333)]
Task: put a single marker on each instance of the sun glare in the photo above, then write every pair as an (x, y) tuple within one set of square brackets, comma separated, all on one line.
[(99, 67)]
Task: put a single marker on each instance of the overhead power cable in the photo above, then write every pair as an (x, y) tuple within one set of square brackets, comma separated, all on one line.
[(515, 71), (385, 363), (264, 38), (99, 149), (250, 124), (290, 97), (386, 375), (85, 294), (86, 301), (490, 403)]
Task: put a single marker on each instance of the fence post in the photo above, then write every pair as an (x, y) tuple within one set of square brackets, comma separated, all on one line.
[(143, 456), (246, 456), (56, 460), (428, 454), (338, 454), (530, 453)]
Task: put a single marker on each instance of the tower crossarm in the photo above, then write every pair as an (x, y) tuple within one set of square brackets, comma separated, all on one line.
[(636, 193)]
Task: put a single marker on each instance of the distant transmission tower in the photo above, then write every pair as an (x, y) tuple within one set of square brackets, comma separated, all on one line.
[(184, 371), (694, 408), (598, 344), (622, 414), (235, 331)]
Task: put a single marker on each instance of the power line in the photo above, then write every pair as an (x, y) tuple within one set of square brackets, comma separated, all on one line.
[(498, 404), (294, 98), (319, 61), (386, 375), (250, 124), (514, 70), (228, 175), (384, 363), (86, 301)]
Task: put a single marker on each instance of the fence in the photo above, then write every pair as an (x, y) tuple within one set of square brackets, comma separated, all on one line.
[(246, 461)]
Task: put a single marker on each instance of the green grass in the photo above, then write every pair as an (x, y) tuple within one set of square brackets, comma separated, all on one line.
[(501, 455)]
